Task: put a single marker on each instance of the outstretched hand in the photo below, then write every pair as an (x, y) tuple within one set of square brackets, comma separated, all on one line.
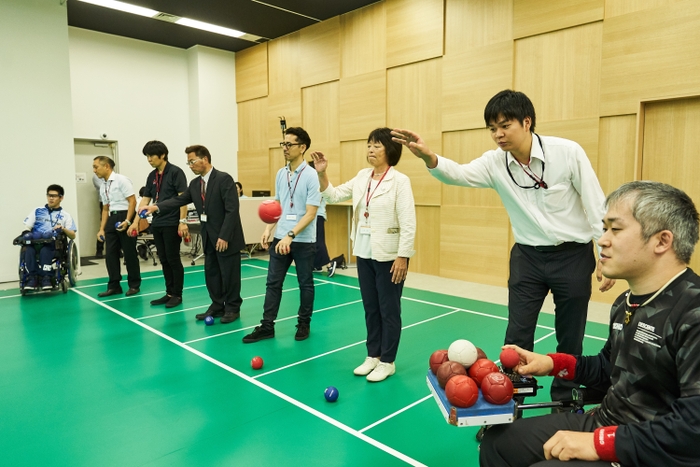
[(416, 145), (320, 161)]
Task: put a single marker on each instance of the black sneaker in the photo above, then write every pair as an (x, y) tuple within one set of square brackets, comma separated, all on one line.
[(331, 268), (302, 332), (258, 334)]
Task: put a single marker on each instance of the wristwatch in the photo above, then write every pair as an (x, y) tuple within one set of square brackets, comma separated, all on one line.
[(291, 234)]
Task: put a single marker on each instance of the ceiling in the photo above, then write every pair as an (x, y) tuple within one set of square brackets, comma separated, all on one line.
[(268, 19)]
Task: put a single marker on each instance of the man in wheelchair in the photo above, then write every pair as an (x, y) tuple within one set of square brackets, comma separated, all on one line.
[(649, 366), (46, 225)]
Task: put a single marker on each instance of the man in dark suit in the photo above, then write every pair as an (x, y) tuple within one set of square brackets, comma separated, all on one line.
[(215, 197)]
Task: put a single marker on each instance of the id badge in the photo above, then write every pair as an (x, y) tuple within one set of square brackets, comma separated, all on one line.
[(202, 218), (365, 229), (291, 217)]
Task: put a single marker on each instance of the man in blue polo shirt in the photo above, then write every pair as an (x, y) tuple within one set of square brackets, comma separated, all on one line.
[(297, 191)]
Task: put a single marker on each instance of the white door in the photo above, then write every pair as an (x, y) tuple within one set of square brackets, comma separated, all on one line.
[(88, 197)]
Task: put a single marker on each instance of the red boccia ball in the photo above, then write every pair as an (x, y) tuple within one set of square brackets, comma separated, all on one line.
[(269, 211), (509, 358), (461, 391), (480, 353), (256, 363), (480, 369), (437, 358), (497, 388), (449, 369)]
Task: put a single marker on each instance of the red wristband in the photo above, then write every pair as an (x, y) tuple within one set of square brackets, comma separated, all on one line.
[(604, 441), (564, 365)]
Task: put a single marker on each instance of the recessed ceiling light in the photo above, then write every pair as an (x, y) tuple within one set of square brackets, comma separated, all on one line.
[(121, 6)]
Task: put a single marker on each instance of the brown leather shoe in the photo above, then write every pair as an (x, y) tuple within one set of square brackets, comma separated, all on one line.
[(109, 292), (229, 317), (131, 292)]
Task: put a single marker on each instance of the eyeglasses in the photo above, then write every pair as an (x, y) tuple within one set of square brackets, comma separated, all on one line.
[(289, 145), (51, 195), (193, 162)]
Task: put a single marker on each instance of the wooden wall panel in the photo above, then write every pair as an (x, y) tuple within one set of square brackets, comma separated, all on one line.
[(414, 31), (474, 244), (470, 79), (616, 151), (287, 105), (427, 242), (650, 54), (251, 73), (284, 63), (362, 104), (558, 71), (584, 132), (413, 102), (319, 106), (276, 158), (320, 49), (252, 116), (363, 41), (623, 7), (254, 170), (353, 158), (531, 17), (477, 23), (337, 231), (463, 147)]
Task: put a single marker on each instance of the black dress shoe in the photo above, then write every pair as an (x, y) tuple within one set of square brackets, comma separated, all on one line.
[(109, 292), (161, 301), (132, 291), (173, 302), (209, 312), (229, 317)]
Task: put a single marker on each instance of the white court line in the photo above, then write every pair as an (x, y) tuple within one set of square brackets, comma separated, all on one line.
[(390, 416), (263, 386)]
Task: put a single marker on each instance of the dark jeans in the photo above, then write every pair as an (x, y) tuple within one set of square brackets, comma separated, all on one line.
[(533, 274), (168, 248), (381, 299), (114, 243), (46, 254), (222, 274), (321, 258), (303, 256), (520, 444)]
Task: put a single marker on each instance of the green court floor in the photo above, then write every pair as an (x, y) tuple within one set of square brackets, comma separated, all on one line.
[(115, 382)]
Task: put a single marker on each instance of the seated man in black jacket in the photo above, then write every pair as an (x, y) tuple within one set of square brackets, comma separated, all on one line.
[(650, 415)]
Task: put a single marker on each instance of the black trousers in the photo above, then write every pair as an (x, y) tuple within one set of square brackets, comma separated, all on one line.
[(168, 248), (222, 274), (567, 274), (114, 243), (381, 299), (521, 443), (321, 258)]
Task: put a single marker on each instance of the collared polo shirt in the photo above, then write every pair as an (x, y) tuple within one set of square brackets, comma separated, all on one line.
[(115, 190), (161, 187), (295, 190)]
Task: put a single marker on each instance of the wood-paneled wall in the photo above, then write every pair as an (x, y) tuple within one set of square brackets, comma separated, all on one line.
[(617, 76)]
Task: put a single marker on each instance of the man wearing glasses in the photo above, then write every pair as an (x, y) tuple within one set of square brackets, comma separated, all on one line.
[(45, 222), (215, 197), (296, 188), (555, 205)]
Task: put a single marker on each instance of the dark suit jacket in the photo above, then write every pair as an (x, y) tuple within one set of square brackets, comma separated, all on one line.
[(221, 207)]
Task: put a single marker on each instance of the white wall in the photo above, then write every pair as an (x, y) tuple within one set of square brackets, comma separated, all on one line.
[(35, 115)]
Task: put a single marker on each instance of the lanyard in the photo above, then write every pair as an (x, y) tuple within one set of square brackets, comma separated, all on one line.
[(158, 181), (369, 196), (58, 215), (289, 185), (539, 181), (108, 185)]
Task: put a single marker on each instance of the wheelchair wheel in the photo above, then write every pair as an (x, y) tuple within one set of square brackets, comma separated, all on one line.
[(64, 285), (72, 263)]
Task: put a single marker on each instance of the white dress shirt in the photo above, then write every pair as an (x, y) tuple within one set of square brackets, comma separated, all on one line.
[(115, 190)]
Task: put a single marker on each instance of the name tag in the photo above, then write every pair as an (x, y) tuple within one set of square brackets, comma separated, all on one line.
[(365, 229), (291, 217), (202, 218)]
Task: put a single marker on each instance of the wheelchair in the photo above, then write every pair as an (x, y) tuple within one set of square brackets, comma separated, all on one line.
[(64, 265)]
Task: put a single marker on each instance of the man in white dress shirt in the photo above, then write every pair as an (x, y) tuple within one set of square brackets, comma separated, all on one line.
[(556, 207)]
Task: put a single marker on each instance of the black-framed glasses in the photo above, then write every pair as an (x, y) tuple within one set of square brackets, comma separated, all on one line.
[(52, 195), (289, 145)]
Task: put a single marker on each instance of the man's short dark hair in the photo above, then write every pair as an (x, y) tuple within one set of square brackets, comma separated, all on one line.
[(199, 151), (301, 134), (155, 148), (238, 184), (57, 188), (510, 105), (104, 160), (391, 147)]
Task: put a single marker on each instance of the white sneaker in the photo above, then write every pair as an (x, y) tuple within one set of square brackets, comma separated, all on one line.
[(381, 372), (367, 367)]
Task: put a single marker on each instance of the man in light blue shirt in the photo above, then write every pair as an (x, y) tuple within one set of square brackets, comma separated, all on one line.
[(296, 188)]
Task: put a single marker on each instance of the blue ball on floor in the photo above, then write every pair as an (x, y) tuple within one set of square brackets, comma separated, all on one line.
[(209, 320), (331, 394)]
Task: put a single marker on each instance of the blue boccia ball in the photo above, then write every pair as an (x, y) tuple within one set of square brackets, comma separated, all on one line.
[(28, 236), (37, 235), (47, 234), (116, 226), (331, 394), (143, 214), (209, 320)]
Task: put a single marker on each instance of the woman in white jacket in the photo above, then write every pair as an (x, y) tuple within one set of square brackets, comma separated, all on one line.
[(383, 231)]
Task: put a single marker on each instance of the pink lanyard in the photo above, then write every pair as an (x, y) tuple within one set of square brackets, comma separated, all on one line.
[(289, 185), (369, 196)]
